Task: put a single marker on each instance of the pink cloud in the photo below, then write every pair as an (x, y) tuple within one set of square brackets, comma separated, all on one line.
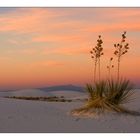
[(66, 50), (55, 38), (127, 26), (26, 20), (33, 20)]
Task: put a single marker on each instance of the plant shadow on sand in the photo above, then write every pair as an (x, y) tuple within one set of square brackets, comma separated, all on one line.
[(97, 113)]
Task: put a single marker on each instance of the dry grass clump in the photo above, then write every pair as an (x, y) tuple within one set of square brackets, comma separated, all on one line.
[(106, 96)]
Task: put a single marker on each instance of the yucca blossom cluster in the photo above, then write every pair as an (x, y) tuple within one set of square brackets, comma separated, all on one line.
[(96, 53), (121, 49)]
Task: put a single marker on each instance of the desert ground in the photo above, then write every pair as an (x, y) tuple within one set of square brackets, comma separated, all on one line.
[(53, 117)]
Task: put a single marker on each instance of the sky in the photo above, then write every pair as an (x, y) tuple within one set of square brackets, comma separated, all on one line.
[(50, 46)]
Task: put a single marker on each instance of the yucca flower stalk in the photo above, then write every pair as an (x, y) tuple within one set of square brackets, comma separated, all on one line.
[(99, 52), (109, 67), (94, 57), (120, 49), (96, 53)]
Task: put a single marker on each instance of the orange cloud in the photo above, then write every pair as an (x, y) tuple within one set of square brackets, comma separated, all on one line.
[(68, 50), (118, 13), (128, 26), (21, 23), (55, 38), (49, 63), (32, 20), (25, 20)]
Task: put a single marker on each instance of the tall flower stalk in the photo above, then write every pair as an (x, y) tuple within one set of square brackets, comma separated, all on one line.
[(120, 49), (99, 52), (94, 57), (96, 53), (109, 67)]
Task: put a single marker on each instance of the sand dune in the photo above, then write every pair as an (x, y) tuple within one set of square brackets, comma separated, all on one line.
[(38, 116)]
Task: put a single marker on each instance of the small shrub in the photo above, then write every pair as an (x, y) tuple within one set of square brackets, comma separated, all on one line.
[(106, 96)]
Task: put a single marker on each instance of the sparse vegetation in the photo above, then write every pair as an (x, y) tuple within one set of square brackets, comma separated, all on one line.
[(48, 99), (108, 95)]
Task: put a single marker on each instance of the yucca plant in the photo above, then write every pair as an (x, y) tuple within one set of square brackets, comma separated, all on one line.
[(107, 96)]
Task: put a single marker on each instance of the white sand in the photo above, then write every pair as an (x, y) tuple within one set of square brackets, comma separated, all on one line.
[(38, 116)]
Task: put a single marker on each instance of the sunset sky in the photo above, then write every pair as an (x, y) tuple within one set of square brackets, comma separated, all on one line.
[(50, 46)]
